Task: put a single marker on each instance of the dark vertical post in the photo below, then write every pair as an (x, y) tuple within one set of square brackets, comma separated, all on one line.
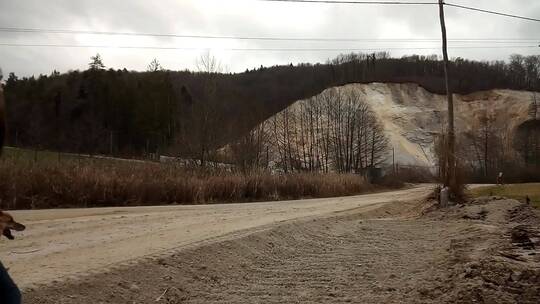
[(267, 158), (394, 160), (111, 143), (450, 149)]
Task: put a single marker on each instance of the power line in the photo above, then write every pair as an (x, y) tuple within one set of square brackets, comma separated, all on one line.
[(258, 49), (354, 2), (61, 31), (407, 40), (262, 38), (407, 3), (491, 12)]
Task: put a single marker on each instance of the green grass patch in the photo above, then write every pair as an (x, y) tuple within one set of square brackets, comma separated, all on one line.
[(43, 157), (28, 155), (515, 191)]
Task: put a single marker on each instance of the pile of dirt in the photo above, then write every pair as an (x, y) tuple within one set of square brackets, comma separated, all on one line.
[(497, 259)]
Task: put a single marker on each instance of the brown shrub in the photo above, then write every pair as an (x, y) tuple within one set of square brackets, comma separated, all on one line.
[(52, 185)]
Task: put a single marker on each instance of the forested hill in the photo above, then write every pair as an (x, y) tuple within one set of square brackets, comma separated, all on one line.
[(126, 112)]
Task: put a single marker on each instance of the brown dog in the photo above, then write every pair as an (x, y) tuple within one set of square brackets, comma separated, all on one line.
[(7, 223)]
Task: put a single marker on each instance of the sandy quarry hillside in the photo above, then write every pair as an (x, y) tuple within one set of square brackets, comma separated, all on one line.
[(413, 117)]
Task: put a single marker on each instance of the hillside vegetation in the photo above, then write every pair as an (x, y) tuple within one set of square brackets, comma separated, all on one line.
[(194, 113)]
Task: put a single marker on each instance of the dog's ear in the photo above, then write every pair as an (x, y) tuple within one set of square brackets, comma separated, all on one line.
[(7, 233)]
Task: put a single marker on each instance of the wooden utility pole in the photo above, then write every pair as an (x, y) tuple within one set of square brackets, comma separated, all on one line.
[(450, 149)]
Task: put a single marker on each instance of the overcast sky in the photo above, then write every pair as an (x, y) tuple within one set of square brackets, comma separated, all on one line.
[(246, 18)]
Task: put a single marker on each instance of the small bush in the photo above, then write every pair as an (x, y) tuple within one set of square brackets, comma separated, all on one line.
[(406, 174)]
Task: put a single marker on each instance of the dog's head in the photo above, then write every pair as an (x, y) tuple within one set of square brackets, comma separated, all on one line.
[(7, 223)]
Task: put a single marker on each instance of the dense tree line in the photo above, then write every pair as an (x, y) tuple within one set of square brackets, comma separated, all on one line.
[(92, 111), (103, 110)]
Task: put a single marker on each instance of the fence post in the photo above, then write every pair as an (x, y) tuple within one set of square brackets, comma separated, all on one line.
[(444, 196)]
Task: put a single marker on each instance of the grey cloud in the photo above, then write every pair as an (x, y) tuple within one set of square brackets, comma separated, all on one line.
[(242, 18)]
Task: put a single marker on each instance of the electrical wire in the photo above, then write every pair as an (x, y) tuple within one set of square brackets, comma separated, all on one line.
[(490, 12), (404, 40), (354, 2), (257, 49), (262, 38), (408, 3)]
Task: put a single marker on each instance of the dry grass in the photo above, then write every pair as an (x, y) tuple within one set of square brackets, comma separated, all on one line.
[(515, 191), (28, 185)]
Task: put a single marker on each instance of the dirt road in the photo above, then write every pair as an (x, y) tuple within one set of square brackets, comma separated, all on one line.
[(407, 252), (68, 243)]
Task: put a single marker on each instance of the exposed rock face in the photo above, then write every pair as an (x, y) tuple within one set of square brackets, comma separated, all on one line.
[(413, 117)]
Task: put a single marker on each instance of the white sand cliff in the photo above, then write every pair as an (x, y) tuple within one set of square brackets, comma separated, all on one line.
[(413, 117)]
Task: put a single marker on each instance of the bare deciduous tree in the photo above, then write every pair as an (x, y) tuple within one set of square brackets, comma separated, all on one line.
[(154, 66), (205, 114), (251, 151), (335, 130)]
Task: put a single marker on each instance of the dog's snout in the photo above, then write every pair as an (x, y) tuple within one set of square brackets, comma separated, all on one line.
[(18, 227)]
